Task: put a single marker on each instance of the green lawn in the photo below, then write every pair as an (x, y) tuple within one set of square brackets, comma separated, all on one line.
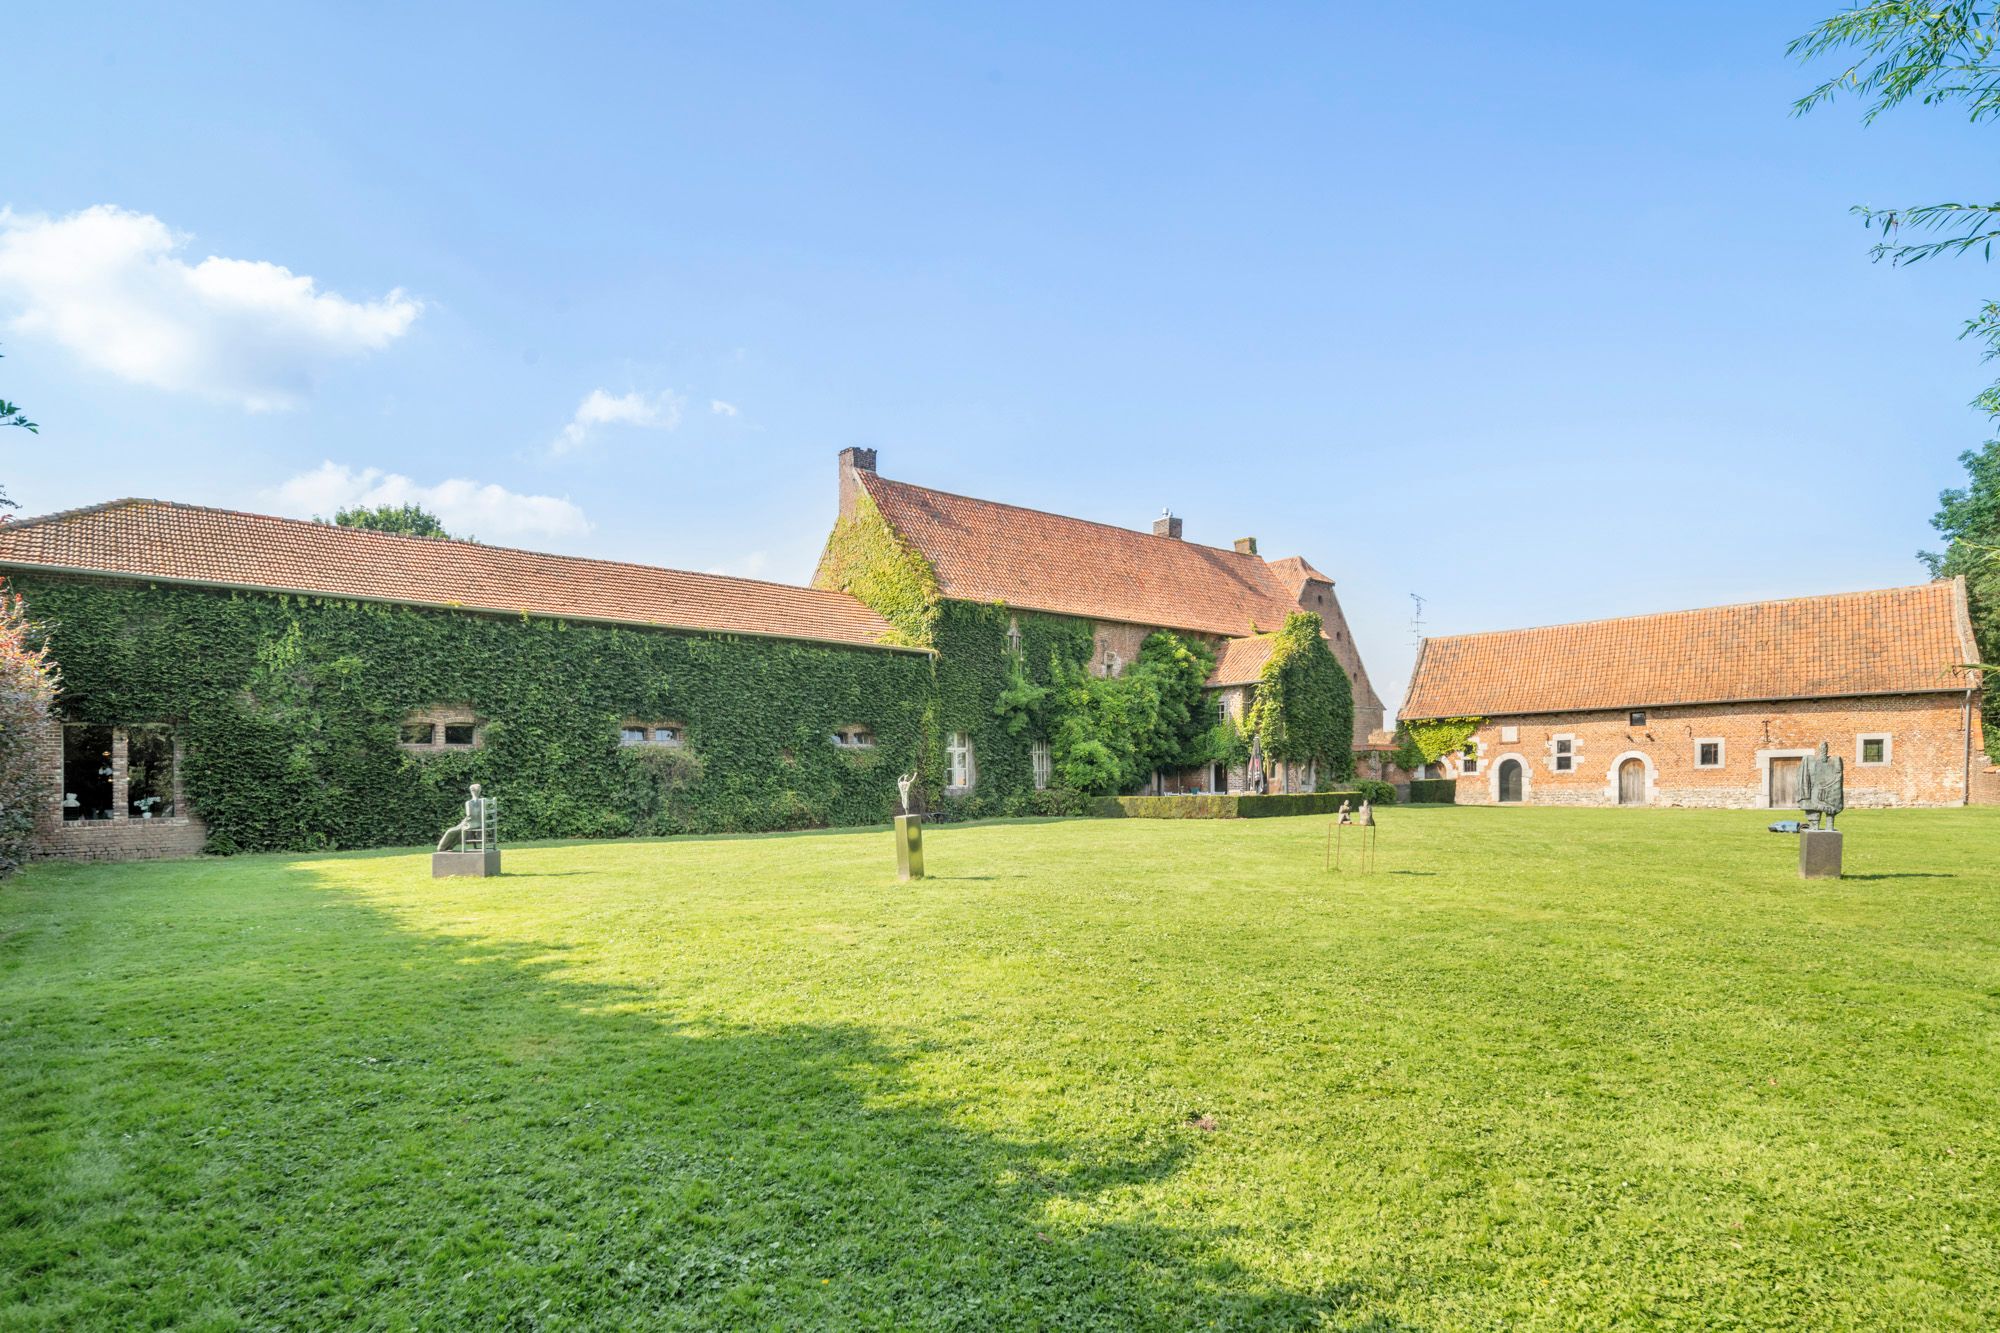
[(1545, 1069)]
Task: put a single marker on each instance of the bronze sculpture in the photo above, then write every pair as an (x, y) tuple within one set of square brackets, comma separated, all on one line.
[(1822, 787)]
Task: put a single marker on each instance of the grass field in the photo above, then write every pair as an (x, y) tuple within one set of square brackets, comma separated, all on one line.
[(1545, 1069)]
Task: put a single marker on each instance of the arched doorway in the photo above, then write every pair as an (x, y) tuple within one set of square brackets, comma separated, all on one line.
[(1510, 773), (1632, 782)]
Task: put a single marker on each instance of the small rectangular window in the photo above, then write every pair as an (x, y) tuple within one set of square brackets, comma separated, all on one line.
[(86, 773), (1470, 760), (959, 755), (149, 773), (1042, 761), (1708, 754), (1637, 719), (418, 733), (1564, 754), (1873, 750), (458, 733), (631, 735), (666, 735)]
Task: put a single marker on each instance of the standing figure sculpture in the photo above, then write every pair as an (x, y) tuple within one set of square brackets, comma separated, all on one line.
[(1822, 787), (903, 785)]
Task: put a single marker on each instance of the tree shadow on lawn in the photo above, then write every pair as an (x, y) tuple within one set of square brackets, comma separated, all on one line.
[(384, 1126)]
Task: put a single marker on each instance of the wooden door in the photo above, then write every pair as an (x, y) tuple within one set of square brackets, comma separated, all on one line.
[(1785, 783), (1632, 782), (1510, 781)]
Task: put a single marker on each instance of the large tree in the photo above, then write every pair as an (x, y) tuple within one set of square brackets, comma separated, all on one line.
[(411, 520), (1938, 55)]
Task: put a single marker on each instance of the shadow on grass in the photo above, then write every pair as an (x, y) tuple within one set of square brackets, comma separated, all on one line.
[(372, 1126)]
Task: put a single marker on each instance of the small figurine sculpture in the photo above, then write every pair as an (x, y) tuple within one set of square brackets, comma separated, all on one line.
[(1822, 787), (472, 845), (1367, 813), (909, 834), (1346, 815)]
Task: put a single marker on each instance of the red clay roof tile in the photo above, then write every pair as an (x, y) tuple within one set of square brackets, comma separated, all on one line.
[(1889, 641), (155, 539), (983, 551)]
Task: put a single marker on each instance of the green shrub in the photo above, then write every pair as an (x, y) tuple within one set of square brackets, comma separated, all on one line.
[(1223, 807), (1434, 791), (1376, 791)]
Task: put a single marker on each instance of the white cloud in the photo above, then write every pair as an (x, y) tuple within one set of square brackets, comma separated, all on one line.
[(720, 408), (109, 285), (487, 511), (660, 411)]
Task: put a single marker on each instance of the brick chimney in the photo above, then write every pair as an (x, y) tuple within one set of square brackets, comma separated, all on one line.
[(853, 461), (1246, 546), (1168, 524)]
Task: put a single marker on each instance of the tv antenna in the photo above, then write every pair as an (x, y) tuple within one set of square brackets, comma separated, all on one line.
[(1417, 619)]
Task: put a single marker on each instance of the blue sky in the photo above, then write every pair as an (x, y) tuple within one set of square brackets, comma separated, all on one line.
[(1544, 313)]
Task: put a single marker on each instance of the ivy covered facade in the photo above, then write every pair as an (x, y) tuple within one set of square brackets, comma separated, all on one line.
[(238, 683)]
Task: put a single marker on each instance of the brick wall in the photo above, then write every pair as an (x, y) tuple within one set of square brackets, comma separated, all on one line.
[(122, 837), (1317, 596), (1926, 752)]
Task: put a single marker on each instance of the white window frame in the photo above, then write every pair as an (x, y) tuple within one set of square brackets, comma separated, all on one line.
[(1721, 752), (1042, 763), (1888, 749), (1556, 756), (1013, 636), (964, 773)]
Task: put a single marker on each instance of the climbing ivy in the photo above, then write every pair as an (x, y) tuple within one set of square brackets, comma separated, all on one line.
[(1439, 736), (868, 558), (1303, 711), (289, 710)]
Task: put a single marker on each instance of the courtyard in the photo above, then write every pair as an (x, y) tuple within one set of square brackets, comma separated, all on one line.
[(1543, 1069)]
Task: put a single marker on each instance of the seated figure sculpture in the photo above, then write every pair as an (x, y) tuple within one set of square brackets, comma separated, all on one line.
[(474, 821)]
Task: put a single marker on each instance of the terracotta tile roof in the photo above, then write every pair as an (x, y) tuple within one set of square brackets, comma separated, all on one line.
[(1293, 571), (155, 539), (1241, 661), (1888, 641), (988, 552)]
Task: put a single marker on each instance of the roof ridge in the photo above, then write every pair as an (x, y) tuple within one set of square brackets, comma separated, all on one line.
[(417, 543), (1690, 611), (1067, 518), (33, 520)]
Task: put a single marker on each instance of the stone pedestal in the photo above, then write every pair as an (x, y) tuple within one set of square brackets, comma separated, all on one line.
[(446, 864), (909, 846), (1819, 853)]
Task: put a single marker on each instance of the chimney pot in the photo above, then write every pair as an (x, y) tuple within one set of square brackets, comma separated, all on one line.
[(1246, 546), (1168, 524)]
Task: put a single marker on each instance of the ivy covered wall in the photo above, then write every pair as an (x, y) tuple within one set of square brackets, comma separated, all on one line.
[(289, 710), (976, 666)]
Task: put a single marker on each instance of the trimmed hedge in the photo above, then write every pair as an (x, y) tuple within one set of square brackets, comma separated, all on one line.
[(1223, 807), (1433, 791)]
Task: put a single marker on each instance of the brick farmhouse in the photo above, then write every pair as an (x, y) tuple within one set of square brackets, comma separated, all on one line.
[(1716, 707), (126, 776), (1126, 584)]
